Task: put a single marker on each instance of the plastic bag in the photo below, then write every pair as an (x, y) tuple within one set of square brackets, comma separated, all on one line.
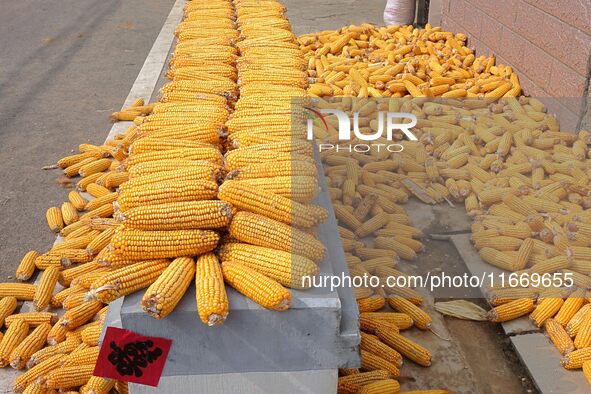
[(399, 12)]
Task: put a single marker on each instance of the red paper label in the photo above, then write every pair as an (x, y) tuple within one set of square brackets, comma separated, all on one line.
[(131, 357)]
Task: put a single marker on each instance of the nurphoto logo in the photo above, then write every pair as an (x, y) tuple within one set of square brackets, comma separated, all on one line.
[(387, 123)]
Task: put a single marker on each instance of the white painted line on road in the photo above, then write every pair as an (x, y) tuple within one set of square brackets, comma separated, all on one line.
[(147, 79)]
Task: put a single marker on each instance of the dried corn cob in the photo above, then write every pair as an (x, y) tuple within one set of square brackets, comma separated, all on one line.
[(256, 286), (164, 294)]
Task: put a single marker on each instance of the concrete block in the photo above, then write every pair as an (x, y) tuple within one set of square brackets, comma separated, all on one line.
[(479, 268), (319, 332), (542, 361), (299, 382)]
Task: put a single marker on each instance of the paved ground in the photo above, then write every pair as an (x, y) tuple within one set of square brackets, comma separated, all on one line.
[(65, 66)]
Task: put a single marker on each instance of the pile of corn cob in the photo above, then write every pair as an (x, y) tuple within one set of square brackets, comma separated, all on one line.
[(398, 61), (152, 201), (524, 182)]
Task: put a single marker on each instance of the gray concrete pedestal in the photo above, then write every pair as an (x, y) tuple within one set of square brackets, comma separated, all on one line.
[(257, 350)]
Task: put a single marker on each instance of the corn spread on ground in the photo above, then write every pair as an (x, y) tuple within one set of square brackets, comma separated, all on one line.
[(225, 149)]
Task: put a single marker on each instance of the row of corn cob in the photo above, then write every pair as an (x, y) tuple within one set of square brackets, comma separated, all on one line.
[(271, 178), (524, 182)]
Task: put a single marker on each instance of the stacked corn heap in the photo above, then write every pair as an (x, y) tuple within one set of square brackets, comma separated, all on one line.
[(523, 180), (61, 353), (272, 172), (169, 208), (395, 61)]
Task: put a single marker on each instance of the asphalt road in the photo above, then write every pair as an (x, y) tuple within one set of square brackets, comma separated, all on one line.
[(65, 65)]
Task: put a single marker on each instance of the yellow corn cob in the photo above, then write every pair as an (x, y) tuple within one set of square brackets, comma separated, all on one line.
[(55, 220), (64, 297), (81, 314), (271, 205), (138, 244), (371, 304), (164, 294), (85, 281), (301, 189), (100, 242), (101, 224), (406, 347), (13, 336), (69, 213), (346, 217), (165, 192), (100, 201), (370, 226), (84, 182), (32, 343), (262, 231), (210, 154), (78, 228), (94, 167), (72, 170), (115, 179), (166, 170), (274, 169), (546, 309), (97, 191), (76, 237), (551, 265), (523, 254), (151, 144), (261, 289), (121, 387), (363, 378), (575, 359), (7, 307), (583, 337), (72, 376), (37, 371), (77, 158), (511, 310), (26, 267), (559, 337), (211, 297), (501, 243), (381, 387), (91, 334), (81, 356), (420, 318), (179, 216), (74, 300), (126, 280), (33, 319), (21, 291), (239, 158), (44, 289), (372, 362), (60, 349), (66, 276), (371, 343), (97, 385), (105, 211), (402, 250), (372, 253), (288, 269), (571, 306)]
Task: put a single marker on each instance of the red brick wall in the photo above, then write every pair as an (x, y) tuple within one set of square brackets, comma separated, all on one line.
[(548, 42)]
